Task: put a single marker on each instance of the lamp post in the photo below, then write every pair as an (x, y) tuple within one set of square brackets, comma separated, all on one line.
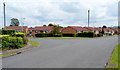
[(4, 15), (88, 17), (22, 24)]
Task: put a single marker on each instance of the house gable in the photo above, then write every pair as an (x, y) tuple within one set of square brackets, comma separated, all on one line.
[(69, 30)]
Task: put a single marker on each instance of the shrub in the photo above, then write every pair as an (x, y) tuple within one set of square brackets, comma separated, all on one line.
[(4, 35), (25, 40), (68, 35), (12, 42), (85, 34), (7, 31), (43, 35), (19, 35), (57, 35), (99, 35)]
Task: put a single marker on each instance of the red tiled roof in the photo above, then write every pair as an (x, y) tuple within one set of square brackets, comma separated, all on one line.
[(107, 29), (91, 28), (115, 29), (42, 28), (78, 28), (16, 27), (98, 29)]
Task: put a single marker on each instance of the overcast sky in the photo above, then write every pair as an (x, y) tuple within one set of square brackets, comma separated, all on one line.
[(62, 12)]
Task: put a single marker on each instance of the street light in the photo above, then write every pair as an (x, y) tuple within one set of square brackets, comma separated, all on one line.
[(22, 24), (4, 15)]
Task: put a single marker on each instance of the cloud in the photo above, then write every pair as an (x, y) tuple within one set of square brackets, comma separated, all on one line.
[(63, 12)]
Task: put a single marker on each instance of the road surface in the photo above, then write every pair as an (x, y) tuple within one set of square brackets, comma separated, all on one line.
[(65, 53)]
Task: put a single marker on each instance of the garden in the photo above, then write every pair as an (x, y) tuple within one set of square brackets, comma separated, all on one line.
[(12, 40)]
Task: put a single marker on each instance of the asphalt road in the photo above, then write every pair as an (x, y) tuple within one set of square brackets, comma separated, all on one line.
[(65, 53)]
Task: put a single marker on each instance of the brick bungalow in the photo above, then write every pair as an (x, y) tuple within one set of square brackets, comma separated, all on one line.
[(73, 29), (95, 30), (115, 30), (108, 31), (41, 29), (18, 28)]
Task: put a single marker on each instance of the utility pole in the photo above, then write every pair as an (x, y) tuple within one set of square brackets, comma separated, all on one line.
[(4, 15), (88, 17), (22, 24)]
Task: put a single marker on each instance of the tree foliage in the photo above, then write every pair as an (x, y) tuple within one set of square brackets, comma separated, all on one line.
[(56, 30), (50, 24), (44, 25), (104, 26), (14, 22)]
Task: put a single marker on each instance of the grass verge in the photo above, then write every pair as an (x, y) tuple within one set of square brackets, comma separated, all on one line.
[(8, 54), (34, 43), (64, 37), (114, 61)]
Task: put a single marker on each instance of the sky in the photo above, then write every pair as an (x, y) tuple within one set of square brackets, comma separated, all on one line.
[(62, 12)]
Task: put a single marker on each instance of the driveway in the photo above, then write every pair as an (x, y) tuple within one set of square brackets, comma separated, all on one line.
[(65, 53)]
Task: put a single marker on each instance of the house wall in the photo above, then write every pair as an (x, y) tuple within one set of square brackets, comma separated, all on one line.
[(69, 30), (26, 30), (96, 32)]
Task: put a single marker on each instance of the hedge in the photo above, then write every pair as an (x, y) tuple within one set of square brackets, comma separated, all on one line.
[(7, 31), (4, 36), (12, 42), (68, 35), (19, 35), (43, 35), (85, 34), (99, 35)]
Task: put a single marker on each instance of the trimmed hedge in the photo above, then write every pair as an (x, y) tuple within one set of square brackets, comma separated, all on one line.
[(7, 31), (4, 36), (85, 34), (12, 42), (43, 35), (19, 35), (68, 35)]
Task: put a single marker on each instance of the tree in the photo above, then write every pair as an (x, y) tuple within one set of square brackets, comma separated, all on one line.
[(56, 30), (104, 26), (50, 24), (118, 27), (44, 25), (14, 22), (103, 29)]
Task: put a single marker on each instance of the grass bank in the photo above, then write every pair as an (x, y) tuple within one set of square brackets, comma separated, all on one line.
[(115, 59), (34, 43)]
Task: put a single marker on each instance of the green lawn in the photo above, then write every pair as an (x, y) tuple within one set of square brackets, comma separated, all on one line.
[(114, 59), (34, 43)]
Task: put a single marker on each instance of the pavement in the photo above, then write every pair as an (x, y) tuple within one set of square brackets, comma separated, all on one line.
[(65, 53)]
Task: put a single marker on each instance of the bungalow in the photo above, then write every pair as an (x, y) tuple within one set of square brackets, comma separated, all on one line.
[(40, 29), (115, 30), (18, 28), (95, 30), (73, 29), (108, 31)]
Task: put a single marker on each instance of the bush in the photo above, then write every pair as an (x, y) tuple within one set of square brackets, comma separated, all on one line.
[(7, 31), (12, 42), (57, 35), (25, 40), (19, 35), (99, 35), (85, 34), (4, 35), (68, 35), (43, 35)]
